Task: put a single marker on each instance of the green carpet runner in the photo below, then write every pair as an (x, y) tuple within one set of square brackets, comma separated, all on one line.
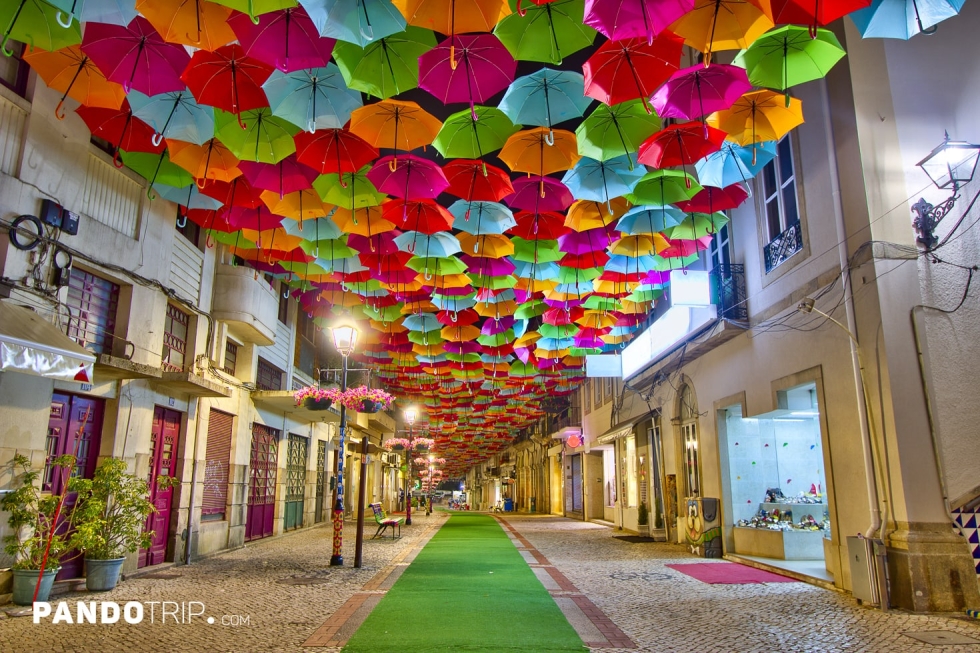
[(469, 589)]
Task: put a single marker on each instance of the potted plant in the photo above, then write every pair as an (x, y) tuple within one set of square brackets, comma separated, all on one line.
[(658, 532), (423, 444), (396, 444), (363, 399), (38, 530), (315, 398), (643, 520), (110, 517)]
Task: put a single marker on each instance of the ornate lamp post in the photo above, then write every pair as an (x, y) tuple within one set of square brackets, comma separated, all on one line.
[(950, 165), (344, 339), (431, 479), (411, 414)]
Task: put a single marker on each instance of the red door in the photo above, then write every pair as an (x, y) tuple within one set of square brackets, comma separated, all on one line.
[(263, 469), (74, 428), (163, 456)]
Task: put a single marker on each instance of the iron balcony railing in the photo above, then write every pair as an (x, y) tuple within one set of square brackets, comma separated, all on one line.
[(728, 291), (783, 246)]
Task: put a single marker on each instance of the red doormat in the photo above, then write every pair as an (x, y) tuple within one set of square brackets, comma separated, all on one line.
[(729, 573)]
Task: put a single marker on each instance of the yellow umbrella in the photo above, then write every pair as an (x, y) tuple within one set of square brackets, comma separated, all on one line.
[(419, 306), (209, 161), (300, 205), (445, 280), (606, 287), (615, 340), (586, 214), (460, 332), (759, 116), (486, 246), (277, 238), (723, 25), (535, 285), (635, 308), (640, 245), (389, 327), (596, 320), (402, 287), (537, 152), (367, 221), (394, 124), (497, 309)]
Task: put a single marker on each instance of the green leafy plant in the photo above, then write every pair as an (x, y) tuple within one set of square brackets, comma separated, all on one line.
[(111, 512), (642, 515), (32, 517), (658, 518)]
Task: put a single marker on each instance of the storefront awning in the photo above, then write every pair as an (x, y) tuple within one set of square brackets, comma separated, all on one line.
[(621, 430), (30, 344)]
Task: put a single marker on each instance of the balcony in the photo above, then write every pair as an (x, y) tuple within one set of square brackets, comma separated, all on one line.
[(248, 305), (783, 246)]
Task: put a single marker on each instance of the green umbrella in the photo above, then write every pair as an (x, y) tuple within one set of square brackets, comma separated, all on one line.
[(157, 169), (497, 339), (536, 251), (558, 331), (464, 358), (574, 275), (384, 313), (386, 67), (461, 137), (266, 138), (493, 283), (674, 262), (303, 267), (232, 239), (789, 55), (547, 32), (426, 337), (697, 225), (520, 370), (437, 265), (531, 309), (597, 303), (351, 190), (663, 187), (644, 294), (614, 131), (255, 8), (330, 249), (36, 23)]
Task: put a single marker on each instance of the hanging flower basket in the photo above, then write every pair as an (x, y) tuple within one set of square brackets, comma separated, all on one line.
[(311, 403), (369, 406), (395, 444), (362, 399), (423, 444), (313, 398)]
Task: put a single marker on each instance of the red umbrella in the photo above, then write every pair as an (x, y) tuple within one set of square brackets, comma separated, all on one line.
[(812, 12), (378, 261), (425, 216), (227, 79), (711, 199), (287, 176), (539, 226), (334, 150), (209, 219), (121, 128), (680, 145), (471, 180), (467, 68), (136, 56), (408, 177), (540, 194), (286, 39), (258, 218), (585, 261), (629, 69), (465, 317), (238, 192)]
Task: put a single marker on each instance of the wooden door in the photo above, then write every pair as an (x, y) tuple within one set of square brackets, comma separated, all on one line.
[(164, 438), (263, 471), (296, 454), (321, 479), (74, 428)]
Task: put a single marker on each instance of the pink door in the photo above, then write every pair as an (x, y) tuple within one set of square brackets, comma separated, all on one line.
[(163, 456), (263, 470)]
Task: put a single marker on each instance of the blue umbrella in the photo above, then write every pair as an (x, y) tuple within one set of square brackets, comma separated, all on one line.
[(312, 98), (358, 22), (174, 115), (732, 164), (314, 230), (481, 218), (440, 244), (189, 197), (630, 265), (116, 12), (601, 181), (649, 219), (903, 19), (421, 322), (348, 265), (453, 302), (536, 271), (545, 98)]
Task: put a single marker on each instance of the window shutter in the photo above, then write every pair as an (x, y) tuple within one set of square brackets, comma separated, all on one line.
[(218, 463)]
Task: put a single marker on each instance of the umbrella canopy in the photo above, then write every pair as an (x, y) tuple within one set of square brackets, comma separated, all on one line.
[(585, 214), (386, 66), (136, 56), (680, 145), (283, 177), (474, 132), (351, 190), (634, 18), (439, 244), (395, 124), (334, 150), (199, 24), (265, 138), (117, 12), (408, 177), (711, 199), (286, 39), (540, 151), (481, 218), (903, 19), (538, 226), (759, 116), (789, 55), (453, 16), (786, 12), (367, 222), (312, 98), (540, 194), (227, 79), (632, 68), (37, 22), (175, 115), (474, 180), (546, 33), (120, 128), (663, 187), (358, 22), (602, 181), (70, 72), (734, 164), (426, 215), (546, 98), (209, 161), (614, 131), (469, 68), (699, 90), (715, 25)]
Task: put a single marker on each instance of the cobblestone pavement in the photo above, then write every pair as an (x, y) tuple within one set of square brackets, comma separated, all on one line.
[(665, 611), (256, 582)]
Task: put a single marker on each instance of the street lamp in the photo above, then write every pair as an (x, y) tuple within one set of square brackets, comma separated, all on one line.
[(431, 478), (950, 165), (344, 339), (411, 414)]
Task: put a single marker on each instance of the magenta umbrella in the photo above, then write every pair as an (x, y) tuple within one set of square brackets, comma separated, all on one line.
[(634, 18), (487, 267), (468, 347), (136, 56), (287, 176), (699, 90), (584, 242), (258, 219), (540, 194), (381, 244), (409, 177), (493, 327), (286, 39), (467, 68)]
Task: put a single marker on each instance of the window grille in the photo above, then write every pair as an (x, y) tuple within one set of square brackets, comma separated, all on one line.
[(175, 333), (268, 376), (92, 302)]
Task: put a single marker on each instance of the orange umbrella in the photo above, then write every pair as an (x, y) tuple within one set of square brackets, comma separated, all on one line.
[(389, 327), (586, 214), (453, 16), (596, 320), (723, 25), (460, 332), (497, 309), (535, 285), (189, 22), (540, 151), (394, 124), (363, 222), (636, 246), (445, 280), (70, 72), (211, 161), (486, 246), (759, 116), (299, 205), (271, 239)]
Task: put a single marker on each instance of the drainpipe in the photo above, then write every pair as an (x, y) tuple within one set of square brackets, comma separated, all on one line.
[(190, 507)]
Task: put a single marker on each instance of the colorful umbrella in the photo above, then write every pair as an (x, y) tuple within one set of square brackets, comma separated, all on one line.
[(711, 199), (39, 24), (265, 138), (453, 16), (723, 25), (425, 215), (545, 98), (585, 214), (299, 205), (286, 39), (206, 162), (117, 12), (469, 68), (631, 69), (387, 66), (734, 164), (351, 190), (680, 145), (311, 98), (439, 244), (463, 136), (699, 90), (187, 198), (359, 22), (395, 124), (759, 116), (790, 55), (408, 177), (663, 187), (334, 150), (540, 151), (367, 222), (614, 131), (535, 226), (238, 192), (540, 194), (255, 8), (284, 177), (227, 79), (120, 128), (70, 72), (903, 19), (156, 168), (808, 12), (480, 218), (136, 56), (601, 181), (474, 180), (547, 33), (634, 18), (200, 24), (175, 115)]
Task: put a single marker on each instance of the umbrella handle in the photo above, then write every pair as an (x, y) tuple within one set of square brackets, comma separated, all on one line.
[(393, 164), (156, 139), (59, 112), (63, 24), (181, 225), (452, 57), (521, 11), (115, 159), (201, 183), (240, 123), (209, 242)]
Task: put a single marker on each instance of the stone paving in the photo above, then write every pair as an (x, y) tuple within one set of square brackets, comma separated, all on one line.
[(621, 592)]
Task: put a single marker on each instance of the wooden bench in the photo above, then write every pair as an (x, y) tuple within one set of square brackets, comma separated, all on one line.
[(385, 522)]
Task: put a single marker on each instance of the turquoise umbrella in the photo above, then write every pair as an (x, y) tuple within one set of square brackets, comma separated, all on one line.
[(188, 196), (631, 265), (314, 230), (359, 22), (440, 244), (174, 115), (732, 164), (311, 99), (422, 322), (649, 219), (601, 181), (903, 19), (545, 98), (481, 218)]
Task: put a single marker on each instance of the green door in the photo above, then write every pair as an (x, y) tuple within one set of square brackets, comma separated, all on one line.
[(295, 480)]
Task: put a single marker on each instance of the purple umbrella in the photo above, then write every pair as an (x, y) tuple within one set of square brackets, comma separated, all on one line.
[(493, 327), (287, 176), (539, 194), (697, 91), (564, 303), (136, 56), (634, 18), (408, 177), (589, 342), (462, 347), (583, 242), (286, 39), (487, 68), (487, 267)]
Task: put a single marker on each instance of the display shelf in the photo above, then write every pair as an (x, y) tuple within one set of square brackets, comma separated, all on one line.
[(781, 544), (808, 508)]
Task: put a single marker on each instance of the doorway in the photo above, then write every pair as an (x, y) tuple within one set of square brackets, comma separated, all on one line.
[(164, 437), (574, 505), (262, 470), (296, 451), (321, 479)]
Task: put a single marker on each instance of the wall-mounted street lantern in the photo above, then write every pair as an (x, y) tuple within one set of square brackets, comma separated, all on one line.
[(950, 165)]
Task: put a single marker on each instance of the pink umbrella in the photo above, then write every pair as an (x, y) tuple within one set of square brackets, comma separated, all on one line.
[(493, 327), (287, 176), (712, 199), (258, 219), (584, 242), (634, 18), (383, 243), (469, 347), (286, 39), (487, 267), (136, 56), (697, 91), (408, 177), (487, 68), (540, 194)]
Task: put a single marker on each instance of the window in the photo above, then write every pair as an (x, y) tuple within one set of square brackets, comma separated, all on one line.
[(304, 357), (721, 249), (14, 70), (175, 331), (189, 230), (783, 233), (268, 376), (597, 387), (92, 303), (231, 357), (587, 392), (283, 304), (689, 433), (218, 457), (608, 391)]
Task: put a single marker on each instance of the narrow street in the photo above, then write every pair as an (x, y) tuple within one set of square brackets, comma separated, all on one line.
[(281, 595)]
